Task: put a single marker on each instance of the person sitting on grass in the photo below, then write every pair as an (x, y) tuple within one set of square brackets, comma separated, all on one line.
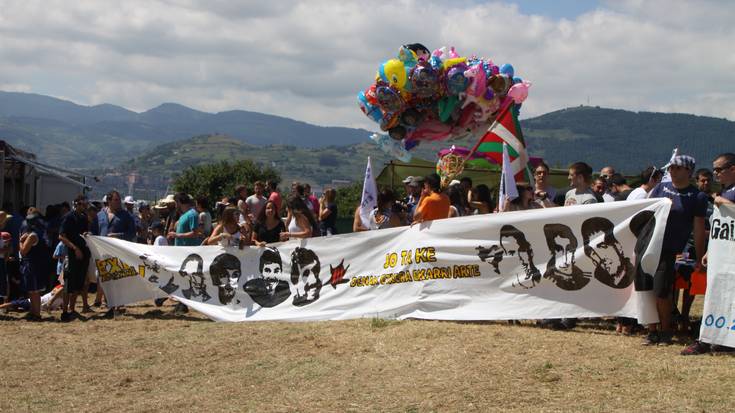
[(49, 301)]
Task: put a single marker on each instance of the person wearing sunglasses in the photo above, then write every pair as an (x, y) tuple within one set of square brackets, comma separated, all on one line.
[(723, 168)]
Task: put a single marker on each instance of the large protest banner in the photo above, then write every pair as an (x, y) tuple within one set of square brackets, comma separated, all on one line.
[(718, 319), (575, 261)]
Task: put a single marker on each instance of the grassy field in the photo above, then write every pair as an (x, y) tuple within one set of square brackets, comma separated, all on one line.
[(151, 360)]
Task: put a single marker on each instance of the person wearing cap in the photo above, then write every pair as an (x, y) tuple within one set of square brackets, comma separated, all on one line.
[(129, 202), (688, 209), (73, 226), (413, 195)]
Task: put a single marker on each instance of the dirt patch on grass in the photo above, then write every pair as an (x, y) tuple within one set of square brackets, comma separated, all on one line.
[(149, 359)]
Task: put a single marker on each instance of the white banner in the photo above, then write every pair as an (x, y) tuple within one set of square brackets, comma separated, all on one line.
[(718, 319), (547, 263)]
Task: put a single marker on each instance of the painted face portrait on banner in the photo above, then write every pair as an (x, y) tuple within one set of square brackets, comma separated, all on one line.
[(225, 273), (612, 267), (305, 268), (517, 255), (192, 270), (271, 287), (642, 226), (561, 268)]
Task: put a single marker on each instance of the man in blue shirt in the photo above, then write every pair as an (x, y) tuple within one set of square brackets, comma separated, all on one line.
[(688, 209), (187, 228), (121, 224)]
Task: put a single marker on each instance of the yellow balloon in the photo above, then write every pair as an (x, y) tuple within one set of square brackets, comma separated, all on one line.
[(451, 62), (394, 72)]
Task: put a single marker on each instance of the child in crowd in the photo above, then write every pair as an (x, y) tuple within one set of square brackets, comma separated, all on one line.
[(158, 238), (60, 254)]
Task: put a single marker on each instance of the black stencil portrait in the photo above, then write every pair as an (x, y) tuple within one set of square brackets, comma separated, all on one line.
[(612, 267), (192, 270), (305, 268), (642, 226), (562, 268), (513, 252), (225, 274), (271, 287)]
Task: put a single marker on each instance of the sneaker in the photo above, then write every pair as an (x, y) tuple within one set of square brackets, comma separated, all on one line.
[(109, 314), (651, 339), (87, 309), (665, 338), (159, 301), (696, 348), (181, 309), (66, 317)]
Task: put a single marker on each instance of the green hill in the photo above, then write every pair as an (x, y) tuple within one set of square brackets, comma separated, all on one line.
[(630, 141)]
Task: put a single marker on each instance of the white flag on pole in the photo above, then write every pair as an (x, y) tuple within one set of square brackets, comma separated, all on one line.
[(667, 177), (508, 189), (369, 198)]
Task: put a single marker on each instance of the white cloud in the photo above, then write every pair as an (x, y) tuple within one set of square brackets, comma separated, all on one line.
[(308, 60)]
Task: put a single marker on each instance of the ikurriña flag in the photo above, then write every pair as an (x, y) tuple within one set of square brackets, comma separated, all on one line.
[(506, 128)]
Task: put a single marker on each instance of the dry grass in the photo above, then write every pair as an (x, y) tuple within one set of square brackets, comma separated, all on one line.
[(148, 360)]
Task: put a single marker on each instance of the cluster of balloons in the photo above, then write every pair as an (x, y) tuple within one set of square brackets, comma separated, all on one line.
[(439, 95)]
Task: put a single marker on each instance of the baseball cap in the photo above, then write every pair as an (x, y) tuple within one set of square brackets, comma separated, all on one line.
[(129, 199)]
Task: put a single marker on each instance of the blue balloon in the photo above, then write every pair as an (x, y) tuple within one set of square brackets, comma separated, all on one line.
[(507, 69), (517, 80)]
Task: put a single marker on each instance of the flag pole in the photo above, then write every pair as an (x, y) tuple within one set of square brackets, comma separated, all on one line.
[(500, 114)]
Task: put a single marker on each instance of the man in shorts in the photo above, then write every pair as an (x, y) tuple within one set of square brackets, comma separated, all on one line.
[(73, 226), (688, 209)]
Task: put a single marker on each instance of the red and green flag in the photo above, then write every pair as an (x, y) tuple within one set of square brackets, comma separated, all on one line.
[(506, 129)]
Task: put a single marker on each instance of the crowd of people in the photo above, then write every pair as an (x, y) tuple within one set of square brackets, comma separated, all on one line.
[(44, 259)]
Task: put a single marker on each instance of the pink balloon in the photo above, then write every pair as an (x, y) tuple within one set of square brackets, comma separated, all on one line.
[(519, 91)]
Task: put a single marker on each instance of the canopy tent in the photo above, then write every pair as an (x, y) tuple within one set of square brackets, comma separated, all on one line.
[(395, 172)]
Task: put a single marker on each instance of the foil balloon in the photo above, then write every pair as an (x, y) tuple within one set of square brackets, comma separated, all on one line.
[(370, 110), (519, 92), (456, 81), (389, 99), (449, 167), (424, 81), (393, 72), (507, 69), (391, 147)]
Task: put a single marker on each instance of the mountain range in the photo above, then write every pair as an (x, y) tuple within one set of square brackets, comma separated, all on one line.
[(63, 133), (108, 136)]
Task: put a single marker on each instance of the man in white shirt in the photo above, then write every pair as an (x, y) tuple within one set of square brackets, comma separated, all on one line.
[(580, 178), (256, 201), (650, 178)]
